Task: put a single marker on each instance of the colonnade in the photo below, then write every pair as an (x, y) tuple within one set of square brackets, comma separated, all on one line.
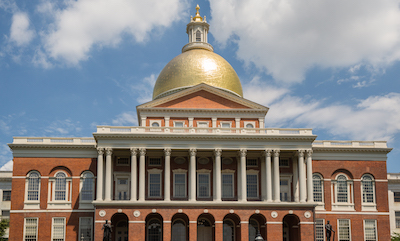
[(270, 175)]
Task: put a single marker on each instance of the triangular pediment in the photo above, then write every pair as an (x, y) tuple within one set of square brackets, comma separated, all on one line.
[(203, 96)]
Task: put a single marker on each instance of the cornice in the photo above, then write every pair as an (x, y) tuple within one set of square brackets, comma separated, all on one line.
[(50, 146), (350, 149)]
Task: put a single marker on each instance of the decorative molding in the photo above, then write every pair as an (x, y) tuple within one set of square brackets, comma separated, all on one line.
[(167, 151), (192, 152), (134, 151), (142, 151), (218, 152)]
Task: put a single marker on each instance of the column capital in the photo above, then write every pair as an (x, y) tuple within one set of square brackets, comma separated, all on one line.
[(192, 151), (167, 151), (267, 153), (217, 152), (300, 153), (309, 153), (109, 151), (142, 151), (276, 152), (100, 150), (134, 151), (242, 152)]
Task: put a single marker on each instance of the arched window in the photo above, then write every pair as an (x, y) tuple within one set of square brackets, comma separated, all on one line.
[(60, 188), (342, 190), (198, 36), (33, 188), (155, 124), (368, 189), (249, 126), (179, 230), (154, 230), (87, 186), (253, 229), (318, 184), (229, 230)]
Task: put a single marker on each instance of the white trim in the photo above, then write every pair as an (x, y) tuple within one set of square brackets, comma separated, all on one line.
[(375, 226), (323, 229), (350, 213), (154, 171), (32, 204), (175, 172), (84, 204), (37, 226), (306, 223), (52, 227), (67, 203), (244, 222), (268, 222), (252, 172), (349, 205), (233, 183), (136, 221), (192, 222), (119, 176), (52, 211), (219, 222), (204, 172), (167, 221), (338, 228)]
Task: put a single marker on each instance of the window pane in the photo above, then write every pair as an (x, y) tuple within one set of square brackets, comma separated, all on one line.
[(368, 189), (85, 227), (33, 187), (229, 231), (396, 197), (87, 188), (227, 185), (180, 185), (60, 187), (58, 229), (319, 229), (6, 195), (30, 229), (204, 185), (370, 230), (252, 186), (342, 189), (253, 229), (397, 214), (179, 231), (155, 185), (344, 230), (154, 230), (317, 181)]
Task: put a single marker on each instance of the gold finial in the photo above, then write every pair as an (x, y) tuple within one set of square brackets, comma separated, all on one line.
[(197, 17)]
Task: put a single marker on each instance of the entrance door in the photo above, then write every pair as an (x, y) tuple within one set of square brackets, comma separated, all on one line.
[(121, 231), (204, 230)]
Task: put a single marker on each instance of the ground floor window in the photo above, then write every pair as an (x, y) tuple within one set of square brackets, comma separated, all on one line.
[(320, 230), (229, 230), (58, 233), (253, 229), (370, 230), (179, 231), (85, 229), (154, 230), (397, 214), (344, 229), (31, 229)]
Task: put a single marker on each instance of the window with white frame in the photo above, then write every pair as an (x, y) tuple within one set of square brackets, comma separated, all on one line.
[(226, 124), (121, 190), (227, 185), (318, 184), (319, 230), (202, 127), (249, 125), (32, 190), (370, 230), (85, 229), (58, 230), (397, 216), (368, 189), (154, 161), (155, 124), (60, 191), (31, 229), (179, 183), (203, 184), (284, 190), (251, 162), (252, 184), (154, 179), (178, 123), (87, 187), (198, 36), (343, 188), (344, 230)]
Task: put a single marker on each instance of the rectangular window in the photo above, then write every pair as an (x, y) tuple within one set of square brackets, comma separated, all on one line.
[(251, 162), (344, 229), (396, 197), (397, 215), (87, 189), (319, 229), (284, 194), (178, 124), (252, 187), (58, 229), (317, 186), (5, 214), (370, 230), (154, 161), (227, 185), (7, 195), (85, 229), (180, 185), (283, 163), (123, 161), (226, 125), (31, 228), (203, 185), (155, 184)]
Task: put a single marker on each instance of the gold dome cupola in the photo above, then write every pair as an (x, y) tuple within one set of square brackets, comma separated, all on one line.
[(197, 64)]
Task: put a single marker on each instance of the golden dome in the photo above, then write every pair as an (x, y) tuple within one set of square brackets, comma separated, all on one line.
[(194, 67)]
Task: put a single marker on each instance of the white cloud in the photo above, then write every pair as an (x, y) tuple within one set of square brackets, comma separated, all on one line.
[(287, 38), (86, 24), (126, 118), (63, 127), (20, 32), (7, 167), (144, 89), (373, 118)]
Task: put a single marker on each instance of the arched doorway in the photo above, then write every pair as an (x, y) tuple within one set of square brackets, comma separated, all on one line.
[(257, 224), (120, 230), (154, 227), (180, 227), (291, 228), (231, 228), (205, 227)]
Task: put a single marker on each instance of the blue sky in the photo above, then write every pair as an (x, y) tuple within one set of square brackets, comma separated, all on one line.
[(67, 66)]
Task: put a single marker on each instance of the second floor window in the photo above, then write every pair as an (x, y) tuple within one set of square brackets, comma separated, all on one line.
[(180, 185), (87, 186), (154, 184), (368, 192), (342, 189), (227, 185), (6, 195), (33, 186), (203, 185), (318, 188), (252, 186), (60, 187)]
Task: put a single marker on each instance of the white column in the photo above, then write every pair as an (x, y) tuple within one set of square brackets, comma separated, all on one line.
[(214, 122), (263, 179), (237, 124), (192, 174), (302, 178), (142, 173), (310, 194), (243, 176), (190, 121), (100, 163), (143, 121), (108, 174), (217, 175), (133, 174), (268, 176), (166, 120), (295, 182), (167, 175), (277, 187)]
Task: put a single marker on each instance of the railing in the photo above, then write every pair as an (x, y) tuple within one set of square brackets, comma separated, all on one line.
[(55, 140), (351, 144), (204, 131)]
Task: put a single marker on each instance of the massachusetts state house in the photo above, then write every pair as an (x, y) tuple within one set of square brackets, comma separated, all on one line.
[(200, 165)]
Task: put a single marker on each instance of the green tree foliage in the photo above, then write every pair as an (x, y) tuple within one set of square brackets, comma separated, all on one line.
[(4, 223), (395, 237)]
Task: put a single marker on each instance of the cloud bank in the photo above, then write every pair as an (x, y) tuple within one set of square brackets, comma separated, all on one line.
[(287, 38)]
